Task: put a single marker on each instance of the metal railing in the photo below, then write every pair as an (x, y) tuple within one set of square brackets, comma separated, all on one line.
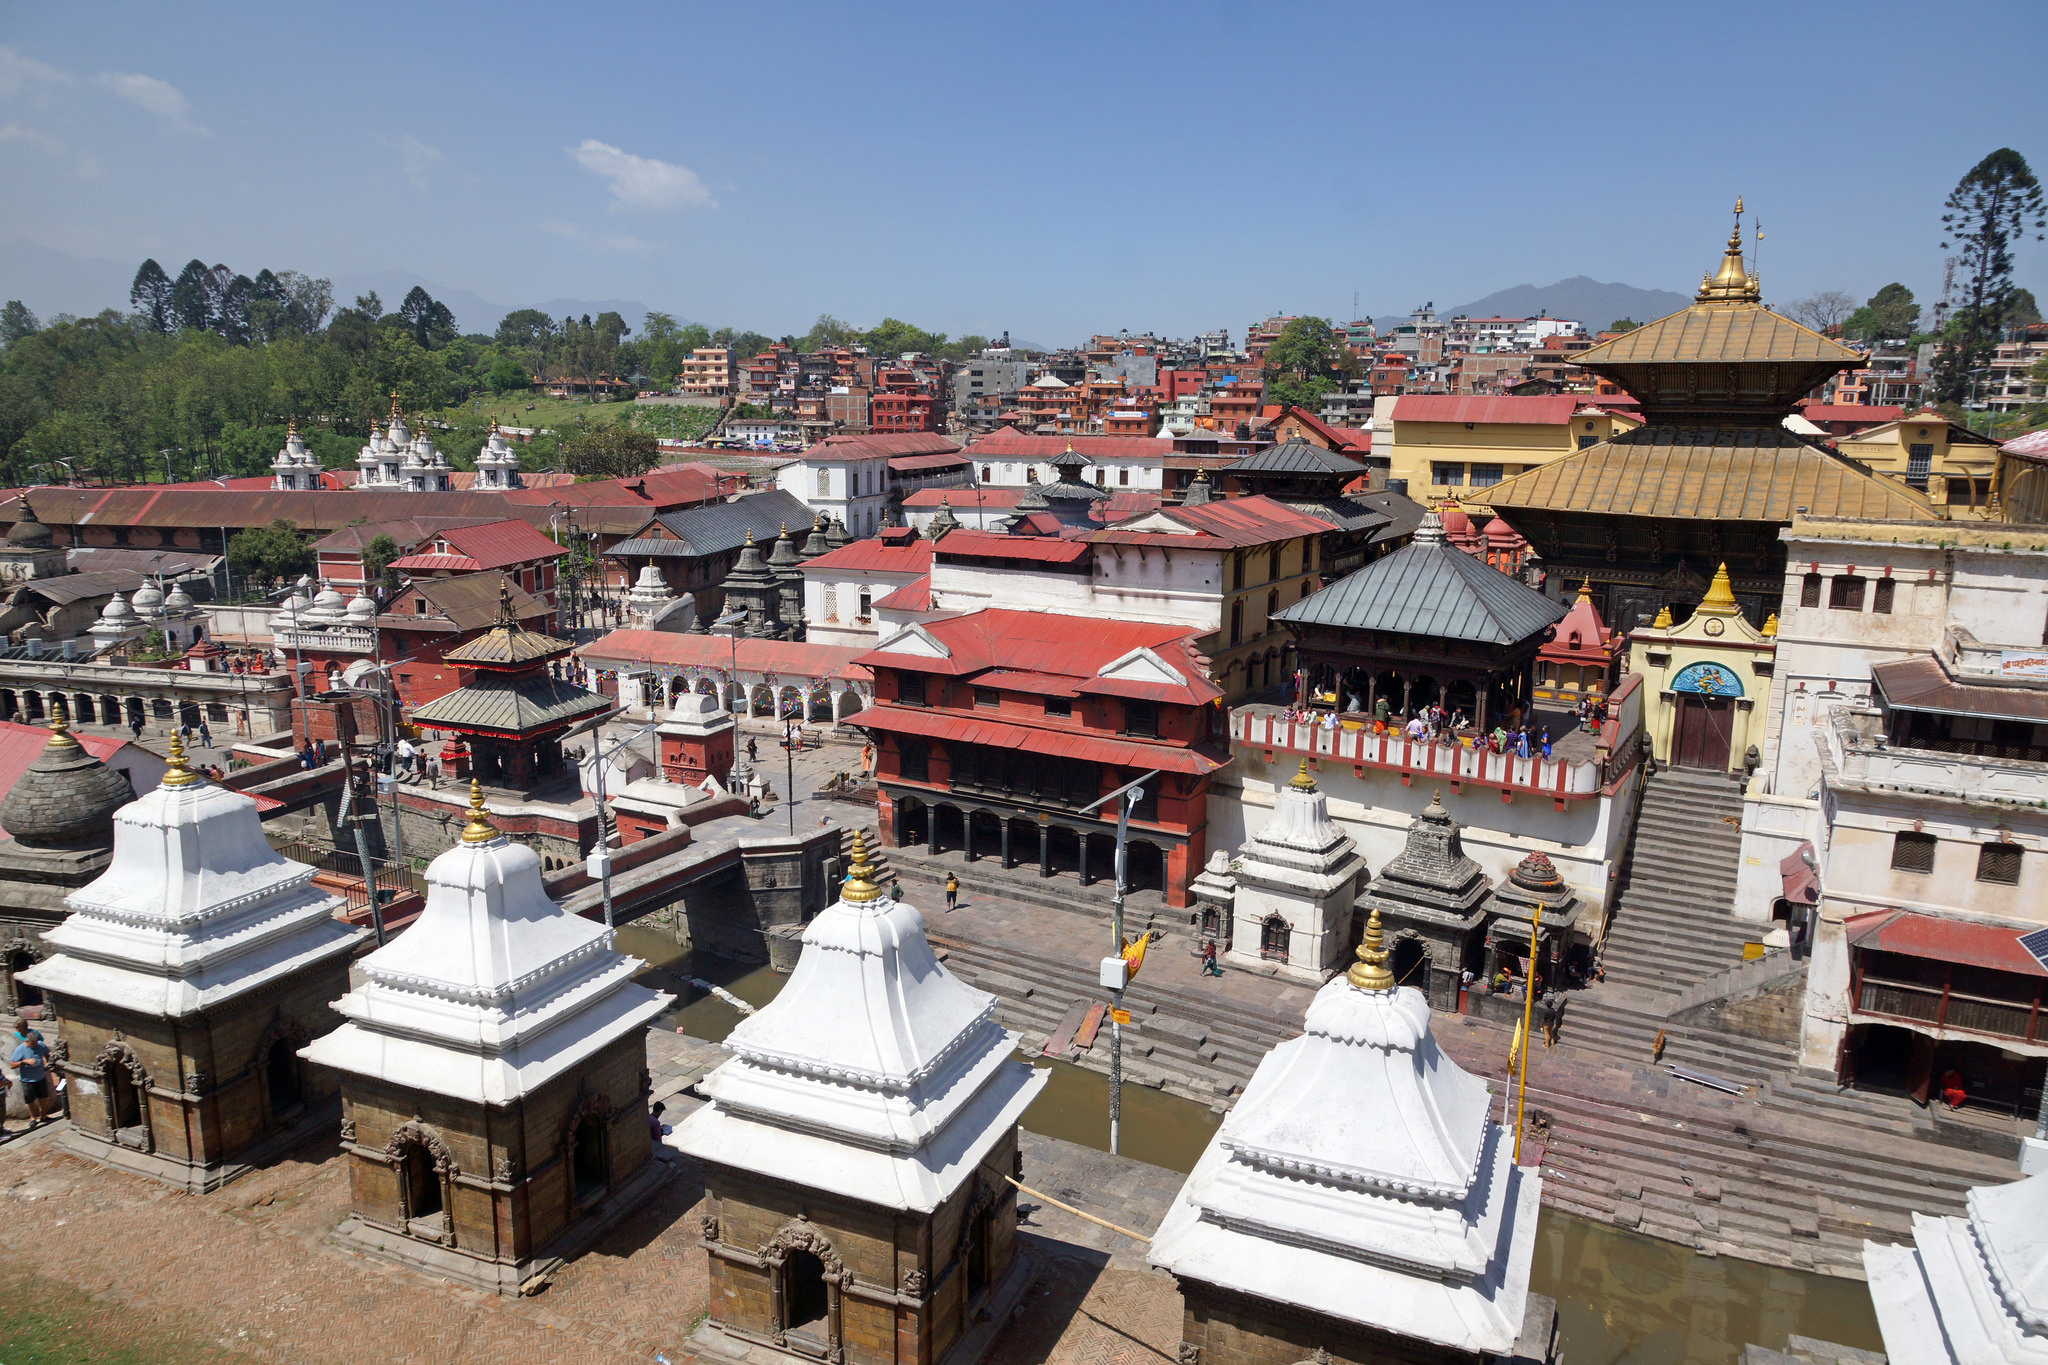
[(392, 880)]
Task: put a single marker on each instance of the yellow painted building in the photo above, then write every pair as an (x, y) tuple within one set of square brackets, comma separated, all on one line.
[(1952, 465), (1448, 446), (1706, 682)]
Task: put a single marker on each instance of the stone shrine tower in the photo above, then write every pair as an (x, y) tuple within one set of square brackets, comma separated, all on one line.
[(696, 740), (497, 463), (187, 977), (751, 586), (1432, 898), (1357, 1205), (30, 550), (1296, 881), (493, 1076), (1512, 907), (854, 1152)]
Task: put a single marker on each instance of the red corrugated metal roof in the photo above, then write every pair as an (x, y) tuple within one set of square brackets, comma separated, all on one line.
[(892, 444), (501, 544), (915, 595), (872, 556), (1045, 642), (437, 564), (1236, 522), (964, 497), (657, 492), (918, 464), (1089, 748), (995, 545), (660, 649), (1550, 409), (1944, 940)]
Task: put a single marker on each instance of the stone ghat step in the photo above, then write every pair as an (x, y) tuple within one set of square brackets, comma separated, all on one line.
[(1698, 877), (1745, 1061), (1651, 927)]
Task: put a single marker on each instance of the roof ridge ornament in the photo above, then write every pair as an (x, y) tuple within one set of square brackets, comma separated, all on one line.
[(1370, 972), (1302, 782), (479, 830), (858, 890), (1732, 283), (1720, 598), (177, 774)]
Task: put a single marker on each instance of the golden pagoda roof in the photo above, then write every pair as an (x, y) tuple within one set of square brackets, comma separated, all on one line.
[(1709, 474)]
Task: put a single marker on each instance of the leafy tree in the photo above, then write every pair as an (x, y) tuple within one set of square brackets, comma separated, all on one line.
[(744, 345), (609, 453), (274, 552), (1623, 325), (528, 328), (507, 375), (151, 296), (2021, 310), (432, 323), (1302, 363), (1824, 310), (828, 331), (1996, 202), (1891, 314), (287, 304), (17, 322), (369, 305), (377, 557), (892, 337)]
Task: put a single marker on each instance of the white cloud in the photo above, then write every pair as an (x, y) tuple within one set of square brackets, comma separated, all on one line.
[(559, 228), (641, 182), (152, 96), (83, 164), (416, 156), (25, 76)]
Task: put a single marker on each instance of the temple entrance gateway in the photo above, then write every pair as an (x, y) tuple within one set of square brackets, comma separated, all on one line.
[(1704, 731)]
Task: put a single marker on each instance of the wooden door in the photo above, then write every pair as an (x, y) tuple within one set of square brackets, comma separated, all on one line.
[(1704, 733)]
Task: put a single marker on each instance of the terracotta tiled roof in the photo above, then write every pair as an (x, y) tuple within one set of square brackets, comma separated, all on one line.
[(662, 649), (436, 564), (1552, 409), (923, 464)]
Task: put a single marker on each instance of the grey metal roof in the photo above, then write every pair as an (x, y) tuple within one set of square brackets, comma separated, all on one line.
[(1403, 513), (1346, 514), (1428, 587), (721, 526), (509, 705), (1295, 457), (78, 587)]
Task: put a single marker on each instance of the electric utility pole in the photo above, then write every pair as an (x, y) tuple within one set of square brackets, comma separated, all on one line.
[(1116, 969)]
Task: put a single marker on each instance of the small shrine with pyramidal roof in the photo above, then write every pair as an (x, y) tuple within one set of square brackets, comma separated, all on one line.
[(855, 1151), (493, 1069), (1359, 1204), (187, 977), (1296, 880), (1706, 681)]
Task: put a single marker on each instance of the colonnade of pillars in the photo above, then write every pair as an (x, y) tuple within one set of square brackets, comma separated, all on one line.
[(762, 700), (34, 706), (1145, 861), (1483, 701)]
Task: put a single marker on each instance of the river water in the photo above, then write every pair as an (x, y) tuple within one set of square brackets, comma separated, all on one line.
[(1622, 1299)]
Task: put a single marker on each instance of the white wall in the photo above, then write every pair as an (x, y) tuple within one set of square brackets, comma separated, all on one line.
[(854, 492)]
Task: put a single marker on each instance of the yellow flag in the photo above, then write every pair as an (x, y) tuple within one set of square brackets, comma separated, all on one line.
[(1515, 1048), (1134, 952)]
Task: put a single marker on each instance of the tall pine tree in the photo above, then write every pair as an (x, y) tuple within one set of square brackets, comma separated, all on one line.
[(1991, 207)]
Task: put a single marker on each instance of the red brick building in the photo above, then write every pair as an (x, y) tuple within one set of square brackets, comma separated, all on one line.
[(995, 729), (900, 412), (513, 548)]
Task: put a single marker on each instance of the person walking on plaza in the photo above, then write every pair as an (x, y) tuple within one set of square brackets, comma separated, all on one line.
[(1209, 967), (952, 892), (1553, 1017), (205, 736), (30, 1060), (753, 753)]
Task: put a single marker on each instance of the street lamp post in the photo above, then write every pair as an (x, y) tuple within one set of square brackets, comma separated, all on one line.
[(602, 855), (1126, 798)]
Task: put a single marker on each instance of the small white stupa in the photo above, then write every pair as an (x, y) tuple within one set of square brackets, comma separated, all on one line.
[(1296, 882), (117, 622), (196, 953), (497, 463), (651, 606), (501, 1038), (296, 469), (1969, 1290), (877, 1080), (1359, 1185)]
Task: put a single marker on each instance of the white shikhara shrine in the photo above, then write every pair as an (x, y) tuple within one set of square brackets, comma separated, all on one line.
[(876, 1074), (1972, 1290), (1360, 1179)]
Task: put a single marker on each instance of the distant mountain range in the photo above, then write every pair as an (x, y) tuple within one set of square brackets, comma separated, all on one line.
[(52, 282), (1581, 299)]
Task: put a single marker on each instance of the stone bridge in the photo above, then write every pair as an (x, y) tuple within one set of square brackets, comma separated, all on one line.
[(109, 694)]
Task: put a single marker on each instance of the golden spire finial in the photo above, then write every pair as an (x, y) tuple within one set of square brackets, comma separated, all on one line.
[(1770, 630), (177, 774), (785, 528), (1586, 588), (394, 402), (1370, 972), (60, 728), (1663, 621), (1720, 598), (750, 535), (858, 890), (479, 830), (291, 428), (1302, 781), (494, 426), (1732, 283)]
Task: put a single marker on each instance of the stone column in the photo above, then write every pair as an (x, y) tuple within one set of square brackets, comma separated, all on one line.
[(1407, 690), (1044, 848), (931, 829), (967, 834), (1084, 858), (1008, 862)]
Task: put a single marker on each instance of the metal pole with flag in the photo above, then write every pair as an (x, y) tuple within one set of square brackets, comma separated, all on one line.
[(1117, 970), (1522, 1029)]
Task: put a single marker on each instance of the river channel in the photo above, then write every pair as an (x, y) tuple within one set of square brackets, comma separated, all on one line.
[(1622, 1299)]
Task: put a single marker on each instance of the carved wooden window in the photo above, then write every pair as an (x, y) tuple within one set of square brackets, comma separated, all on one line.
[(1913, 852), (1846, 593), (1881, 596), (1809, 590), (1999, 863)]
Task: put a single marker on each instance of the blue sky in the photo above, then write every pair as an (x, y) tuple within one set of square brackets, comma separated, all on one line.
[(1050, 169)]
